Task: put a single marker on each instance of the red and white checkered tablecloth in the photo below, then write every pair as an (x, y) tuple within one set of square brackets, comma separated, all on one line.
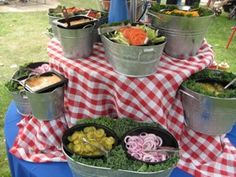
[(94, 89)]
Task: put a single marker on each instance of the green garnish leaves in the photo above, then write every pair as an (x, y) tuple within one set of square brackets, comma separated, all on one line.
[(12, 85)]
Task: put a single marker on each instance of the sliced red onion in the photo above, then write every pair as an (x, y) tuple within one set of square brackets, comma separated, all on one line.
[(42, 69), (138, 147)]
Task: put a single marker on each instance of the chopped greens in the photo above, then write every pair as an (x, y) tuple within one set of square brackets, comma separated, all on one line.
[(200, 83), (117, 158), (12, 85)]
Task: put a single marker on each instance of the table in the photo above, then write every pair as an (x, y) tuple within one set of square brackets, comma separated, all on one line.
[(22, 168), (95, 90)]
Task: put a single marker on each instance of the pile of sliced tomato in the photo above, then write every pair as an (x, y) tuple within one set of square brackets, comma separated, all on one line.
[(135, 35), (74, 10)]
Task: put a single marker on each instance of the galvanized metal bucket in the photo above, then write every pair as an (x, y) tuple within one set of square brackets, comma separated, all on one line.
[(53, 26), (76, 43), (206, 114), (48, 105), (184, 34), (133, 61), (22, 102), (82, 170)]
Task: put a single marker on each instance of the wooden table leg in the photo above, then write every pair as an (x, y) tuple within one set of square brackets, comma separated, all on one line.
[(231, 36)]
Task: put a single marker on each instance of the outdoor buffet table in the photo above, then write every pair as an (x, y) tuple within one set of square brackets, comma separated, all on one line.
[(95, 90)]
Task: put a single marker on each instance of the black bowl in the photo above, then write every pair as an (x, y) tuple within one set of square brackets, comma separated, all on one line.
[(32, 65), (36, 64), (80, 127), (168, 139)]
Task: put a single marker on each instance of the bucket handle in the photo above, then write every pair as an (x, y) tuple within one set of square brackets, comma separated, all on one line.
[(151, 50), (145, 8), (189, 95), (154, 15), (89, 25), (56, 22)]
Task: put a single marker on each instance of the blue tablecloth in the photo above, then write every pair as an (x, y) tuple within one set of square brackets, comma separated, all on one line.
[(21, 168)]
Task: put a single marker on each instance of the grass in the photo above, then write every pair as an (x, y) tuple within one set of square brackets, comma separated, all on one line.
[(95, 4), (22, 41), (217, 36)]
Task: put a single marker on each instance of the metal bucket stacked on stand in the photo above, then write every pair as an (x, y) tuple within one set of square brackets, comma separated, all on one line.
[(47, 101), (134, 61), (206, 114), (16, 89), (48, 105), (184, 34), (76, 41)]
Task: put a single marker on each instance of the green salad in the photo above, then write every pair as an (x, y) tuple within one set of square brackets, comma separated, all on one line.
[(136, 35), (117, 158)]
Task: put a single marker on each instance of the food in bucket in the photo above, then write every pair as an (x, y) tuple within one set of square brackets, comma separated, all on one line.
[(174, 10), (90, 141), (78, 21), (178, 12), (143, 147), (212, 83), (24, 72), (38, 82), (137, 35), (72, 11)]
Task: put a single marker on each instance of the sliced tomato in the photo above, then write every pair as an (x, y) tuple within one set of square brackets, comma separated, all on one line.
[(139, 39), (135, 35)]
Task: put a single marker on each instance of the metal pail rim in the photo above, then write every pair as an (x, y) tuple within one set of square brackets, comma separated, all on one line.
[(104, 168), (202, 95), (153, 13), (46, 93), (135, 47)]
